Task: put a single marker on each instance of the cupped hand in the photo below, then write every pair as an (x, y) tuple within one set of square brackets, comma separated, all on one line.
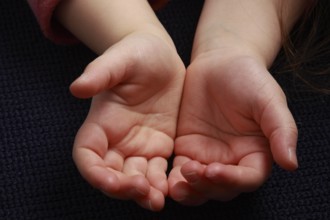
[(123, 145), (233, 122)]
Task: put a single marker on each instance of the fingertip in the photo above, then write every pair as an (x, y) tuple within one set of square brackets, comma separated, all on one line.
[(184, 194), (162, 186), (111, 184), (213, 171), (192, 171), (284, 152), (105, 181), (293, 159), (291, 162), (241, 177), (155, 201), (179, 191), (141, 186), (157, 174), (279, 126), (83, 87), (173, 178)]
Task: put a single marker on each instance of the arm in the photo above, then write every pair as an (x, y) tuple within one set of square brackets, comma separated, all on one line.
[(51, 27), (136, 83), (100, 24), (257, 24), (234, 116)]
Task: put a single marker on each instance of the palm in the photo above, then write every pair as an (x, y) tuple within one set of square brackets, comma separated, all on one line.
[(222, 147), (123, 145)]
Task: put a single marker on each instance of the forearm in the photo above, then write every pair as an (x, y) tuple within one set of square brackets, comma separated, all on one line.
[(256, 24), (101, 23)]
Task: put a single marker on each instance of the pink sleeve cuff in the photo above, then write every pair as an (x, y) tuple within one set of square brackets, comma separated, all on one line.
[(157, 4), (44, 11), (52, 29)]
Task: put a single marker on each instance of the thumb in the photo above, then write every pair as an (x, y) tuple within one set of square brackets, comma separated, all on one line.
[(101, 74), (280, 128)]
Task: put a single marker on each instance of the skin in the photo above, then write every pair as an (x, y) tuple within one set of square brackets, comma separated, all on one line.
[(234, 120), (136, 84)]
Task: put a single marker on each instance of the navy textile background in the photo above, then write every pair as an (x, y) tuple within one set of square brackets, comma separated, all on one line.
[(39, 118)]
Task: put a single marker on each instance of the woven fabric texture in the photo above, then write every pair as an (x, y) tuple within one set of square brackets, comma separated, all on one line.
[(39, 119)]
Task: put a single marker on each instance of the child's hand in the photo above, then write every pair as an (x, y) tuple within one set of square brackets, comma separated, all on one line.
[(123, 145), (233, 121)]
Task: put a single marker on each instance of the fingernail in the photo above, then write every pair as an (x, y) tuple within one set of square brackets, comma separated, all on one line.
[(192, 177), (182, 195), (142, 192), (150, 205), (293, 157), (84, 77), (209, 174)]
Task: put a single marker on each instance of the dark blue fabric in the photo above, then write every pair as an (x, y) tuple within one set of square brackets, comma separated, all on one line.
[(39, 119)]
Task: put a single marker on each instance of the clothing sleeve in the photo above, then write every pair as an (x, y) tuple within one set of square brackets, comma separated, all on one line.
[(52, 29), (157, 4)]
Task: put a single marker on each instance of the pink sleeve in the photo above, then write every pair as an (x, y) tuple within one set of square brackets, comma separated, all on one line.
[(44, 10)]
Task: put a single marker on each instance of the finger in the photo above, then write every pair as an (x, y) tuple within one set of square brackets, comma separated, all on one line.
[(175, 175), (89, 151), (280, 128), (134, 166), (178, 186), (183, 193), (90, 136), (156, 174), (179, 189), (133, 186), (193, 171), (104, 180), (114, 159), (202, 189), (213, 149), (130, 187), (195, 174), (103, 73), (111, 182), (248, 176), (225, 182), (134, 170), (115, 184), (154, 201)]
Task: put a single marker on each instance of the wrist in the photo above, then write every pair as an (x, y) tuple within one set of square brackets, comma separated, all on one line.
[(230, 45), (154, 30)]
